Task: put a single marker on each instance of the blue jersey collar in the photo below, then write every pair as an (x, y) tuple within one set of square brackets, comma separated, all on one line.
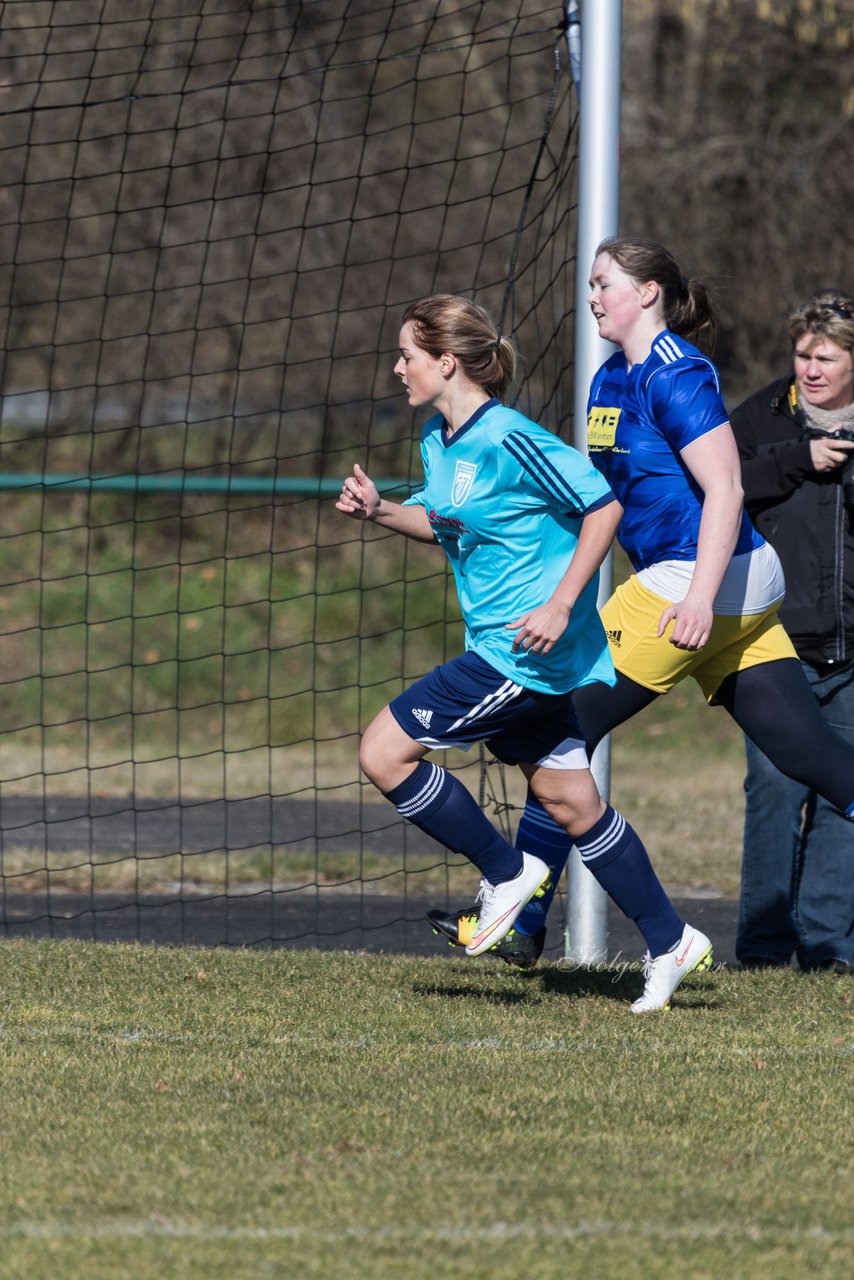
[(448, 442)]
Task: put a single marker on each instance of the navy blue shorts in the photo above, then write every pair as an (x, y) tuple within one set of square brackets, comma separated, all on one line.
[(466, 701)]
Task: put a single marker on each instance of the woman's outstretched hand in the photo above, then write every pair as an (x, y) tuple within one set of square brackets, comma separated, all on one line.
[(359, 496)]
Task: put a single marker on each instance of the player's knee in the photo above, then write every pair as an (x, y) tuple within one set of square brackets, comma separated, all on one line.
[(585, 816), (575, 808), (370, 757), (381, 756)]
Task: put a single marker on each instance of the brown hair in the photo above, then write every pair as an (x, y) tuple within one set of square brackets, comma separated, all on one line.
[(829, 314), (688, 309), (445, 322)]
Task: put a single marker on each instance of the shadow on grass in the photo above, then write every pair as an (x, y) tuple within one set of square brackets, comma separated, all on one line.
[(495, 995), (550, 980), (610, 983), (621, 982)]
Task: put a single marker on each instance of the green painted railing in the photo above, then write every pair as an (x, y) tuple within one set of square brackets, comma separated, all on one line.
[(305, 486)]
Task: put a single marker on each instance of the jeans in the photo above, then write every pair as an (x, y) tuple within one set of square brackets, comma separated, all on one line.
[(797, 874)]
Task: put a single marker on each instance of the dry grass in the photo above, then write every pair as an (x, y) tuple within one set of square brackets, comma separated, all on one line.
[(245, 1114), (691, 822)]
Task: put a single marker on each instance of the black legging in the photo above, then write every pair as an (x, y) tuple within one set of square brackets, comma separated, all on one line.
[(772, 703)]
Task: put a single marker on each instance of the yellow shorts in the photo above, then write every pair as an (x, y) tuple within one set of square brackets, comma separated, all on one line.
[(631, 617)]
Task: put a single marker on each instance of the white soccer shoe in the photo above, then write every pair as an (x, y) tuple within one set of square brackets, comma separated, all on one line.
[(499, 905), (692, 954)]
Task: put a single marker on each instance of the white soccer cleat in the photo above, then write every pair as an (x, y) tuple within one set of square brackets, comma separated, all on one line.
[(499, 905), (692, 954)]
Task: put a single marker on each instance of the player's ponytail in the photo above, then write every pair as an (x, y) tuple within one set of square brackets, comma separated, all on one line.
[(447, 323), (688, 308)]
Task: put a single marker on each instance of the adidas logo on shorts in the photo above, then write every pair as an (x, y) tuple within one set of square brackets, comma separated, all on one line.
[(423, 717), (614, 638)]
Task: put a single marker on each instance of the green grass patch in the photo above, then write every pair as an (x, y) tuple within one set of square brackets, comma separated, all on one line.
[(201, 1114), (169, 630), (187, 651)]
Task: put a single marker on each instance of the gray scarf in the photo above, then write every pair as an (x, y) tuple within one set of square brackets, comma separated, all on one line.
[(828, 419)]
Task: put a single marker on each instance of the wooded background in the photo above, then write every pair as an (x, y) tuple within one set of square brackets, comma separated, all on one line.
[(738, 153), (166, 254)]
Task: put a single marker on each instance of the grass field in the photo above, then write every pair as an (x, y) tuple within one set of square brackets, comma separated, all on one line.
[(236, 1114), (220, 1114)]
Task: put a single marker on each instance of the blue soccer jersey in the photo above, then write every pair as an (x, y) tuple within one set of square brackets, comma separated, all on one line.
[(638, 422), (505, 499)]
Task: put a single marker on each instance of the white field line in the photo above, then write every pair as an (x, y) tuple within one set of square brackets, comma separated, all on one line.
[(497, 1232), (146, 1035)]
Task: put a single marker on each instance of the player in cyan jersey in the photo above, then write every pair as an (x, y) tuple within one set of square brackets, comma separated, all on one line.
[(525, 522), (704, 597)]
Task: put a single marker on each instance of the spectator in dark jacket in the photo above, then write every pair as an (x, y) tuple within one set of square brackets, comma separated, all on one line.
[(796, 441)]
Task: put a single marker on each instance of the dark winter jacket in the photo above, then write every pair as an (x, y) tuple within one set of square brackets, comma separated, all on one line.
[(800, 511)]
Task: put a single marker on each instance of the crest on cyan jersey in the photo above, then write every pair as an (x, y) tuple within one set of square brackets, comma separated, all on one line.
[(464, 474)]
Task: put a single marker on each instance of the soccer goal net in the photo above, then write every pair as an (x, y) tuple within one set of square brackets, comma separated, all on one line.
[(213, 215)]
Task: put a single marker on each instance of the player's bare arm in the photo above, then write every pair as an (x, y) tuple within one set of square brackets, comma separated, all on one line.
[(714, 463), (360, 499)]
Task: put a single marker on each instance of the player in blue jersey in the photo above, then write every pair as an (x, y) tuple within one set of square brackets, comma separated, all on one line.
[(525, 522), (704, 598)]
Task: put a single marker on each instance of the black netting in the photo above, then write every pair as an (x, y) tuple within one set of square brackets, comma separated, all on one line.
[(212, 216)]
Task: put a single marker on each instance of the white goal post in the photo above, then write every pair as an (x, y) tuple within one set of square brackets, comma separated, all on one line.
[(586, 936)]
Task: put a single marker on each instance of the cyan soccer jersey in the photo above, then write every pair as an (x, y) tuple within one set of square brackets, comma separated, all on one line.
[(638, 422), (505, 499)]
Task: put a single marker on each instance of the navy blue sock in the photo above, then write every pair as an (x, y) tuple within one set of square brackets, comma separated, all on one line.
[(541, 835), (437, 803), (618, 860)]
